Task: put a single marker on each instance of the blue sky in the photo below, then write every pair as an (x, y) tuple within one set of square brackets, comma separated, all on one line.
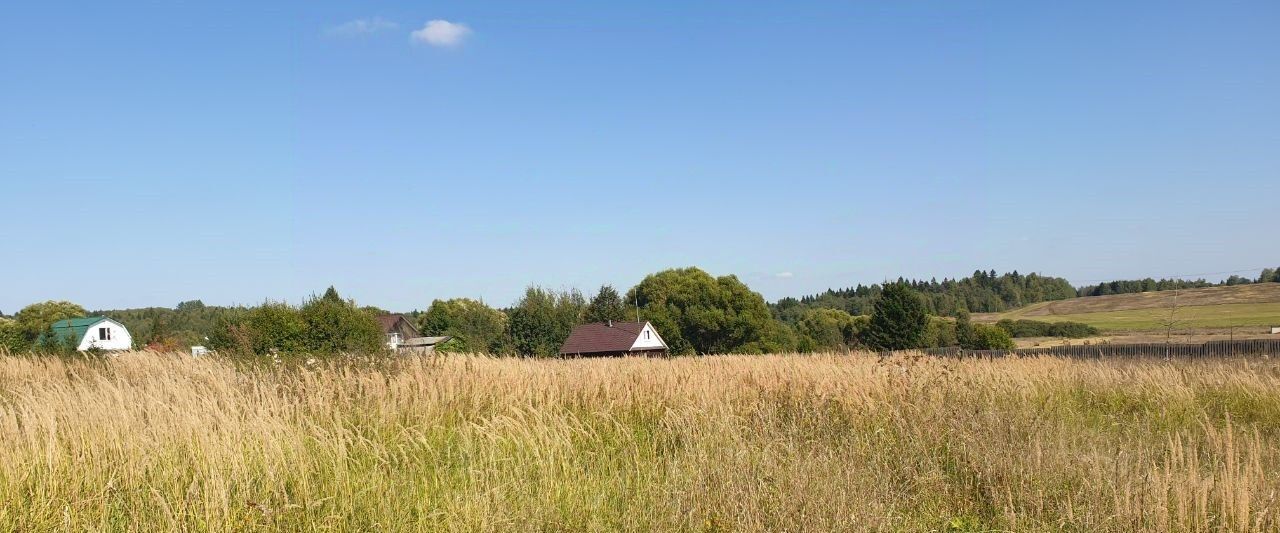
[(237, 151)]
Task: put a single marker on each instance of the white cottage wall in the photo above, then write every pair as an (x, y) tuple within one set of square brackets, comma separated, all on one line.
[(120, 338), (648, 339)]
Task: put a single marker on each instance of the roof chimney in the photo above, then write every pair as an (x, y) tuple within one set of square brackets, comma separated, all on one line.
[(610, 322)]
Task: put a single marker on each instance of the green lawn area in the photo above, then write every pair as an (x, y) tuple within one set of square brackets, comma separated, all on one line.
[(1203, 316)]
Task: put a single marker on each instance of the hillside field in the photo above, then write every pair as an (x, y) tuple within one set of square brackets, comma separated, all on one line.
[(1249, 306), (163, 442)]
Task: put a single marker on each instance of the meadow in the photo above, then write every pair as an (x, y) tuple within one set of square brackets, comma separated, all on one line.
[(1254, 307), (1250, 316), (146, 442)]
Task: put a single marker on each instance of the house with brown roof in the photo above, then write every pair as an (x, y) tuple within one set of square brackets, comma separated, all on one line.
[(614, 339), (402, 336)]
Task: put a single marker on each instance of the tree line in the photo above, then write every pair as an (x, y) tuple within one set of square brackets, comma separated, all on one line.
[(982, 292), (1129, 286), (989, 292), (695, 312)]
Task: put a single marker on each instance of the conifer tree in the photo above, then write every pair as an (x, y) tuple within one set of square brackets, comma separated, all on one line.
[(898, 319)]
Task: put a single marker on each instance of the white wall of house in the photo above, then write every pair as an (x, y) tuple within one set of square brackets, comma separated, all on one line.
[(106, 334), (648, 339)]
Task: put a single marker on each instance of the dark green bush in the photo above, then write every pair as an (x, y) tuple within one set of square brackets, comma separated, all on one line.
[(986, 337), (323, 326), (940, 333), (335, 326), (1036, 328)]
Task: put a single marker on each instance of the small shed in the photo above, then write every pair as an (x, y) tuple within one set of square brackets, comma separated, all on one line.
[(422, 345), (93, 333), (1275, 330), (614, 339)]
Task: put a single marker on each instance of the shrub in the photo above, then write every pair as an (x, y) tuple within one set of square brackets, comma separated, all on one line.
[(11, 337), (940, 333), (335, 326), (1036, 328), (474, 326), (986, 337), (827, 329), (276, 327), (325, 325)]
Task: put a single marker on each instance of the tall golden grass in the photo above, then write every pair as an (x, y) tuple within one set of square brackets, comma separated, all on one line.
[(148, 441)]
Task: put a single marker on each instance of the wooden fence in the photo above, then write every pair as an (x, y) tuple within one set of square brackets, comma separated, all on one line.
[(1212, 349)]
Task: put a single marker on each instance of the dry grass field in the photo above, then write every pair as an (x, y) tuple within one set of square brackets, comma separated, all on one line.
[(152, 442)]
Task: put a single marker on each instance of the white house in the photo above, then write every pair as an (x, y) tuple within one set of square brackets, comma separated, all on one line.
[(612, 339), (93, 333)]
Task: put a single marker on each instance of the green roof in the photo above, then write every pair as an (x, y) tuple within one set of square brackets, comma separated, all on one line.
[(74, 328)]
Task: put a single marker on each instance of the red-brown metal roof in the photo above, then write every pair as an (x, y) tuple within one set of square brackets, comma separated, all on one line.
[(601, 338)]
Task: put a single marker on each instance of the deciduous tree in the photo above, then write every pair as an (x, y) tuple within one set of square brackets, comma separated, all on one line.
[(543, 319), (36, 319), (698, 313), (336, 326), (474, 326)]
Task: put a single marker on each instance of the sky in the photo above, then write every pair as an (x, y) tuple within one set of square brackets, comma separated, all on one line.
[(234, 151)]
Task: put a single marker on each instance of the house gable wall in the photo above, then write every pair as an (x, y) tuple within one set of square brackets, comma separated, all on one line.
[(648, 339), (120, 337)]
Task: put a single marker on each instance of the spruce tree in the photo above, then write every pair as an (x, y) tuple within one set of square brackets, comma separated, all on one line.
[(898, 319), (605, 306), (331, 295)]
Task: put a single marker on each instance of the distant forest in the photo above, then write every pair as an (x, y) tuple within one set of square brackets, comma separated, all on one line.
[(989, 292), (188, 324), (1149, 285), (983, 292)]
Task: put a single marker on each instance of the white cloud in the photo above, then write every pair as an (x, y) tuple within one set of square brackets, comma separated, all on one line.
[(784, 275), (441, 33), (353, 28)]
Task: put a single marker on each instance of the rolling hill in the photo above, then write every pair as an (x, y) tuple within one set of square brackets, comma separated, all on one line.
[(1255, 305)]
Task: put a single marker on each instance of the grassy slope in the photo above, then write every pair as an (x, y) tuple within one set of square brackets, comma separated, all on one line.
[(150, 442), (1213, 307)]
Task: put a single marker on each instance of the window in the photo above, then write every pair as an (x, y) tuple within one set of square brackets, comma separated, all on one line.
[(104, 334), (646, 334)]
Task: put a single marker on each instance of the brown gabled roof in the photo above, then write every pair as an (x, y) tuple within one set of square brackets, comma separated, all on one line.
[(388, 322), (602, 338)]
